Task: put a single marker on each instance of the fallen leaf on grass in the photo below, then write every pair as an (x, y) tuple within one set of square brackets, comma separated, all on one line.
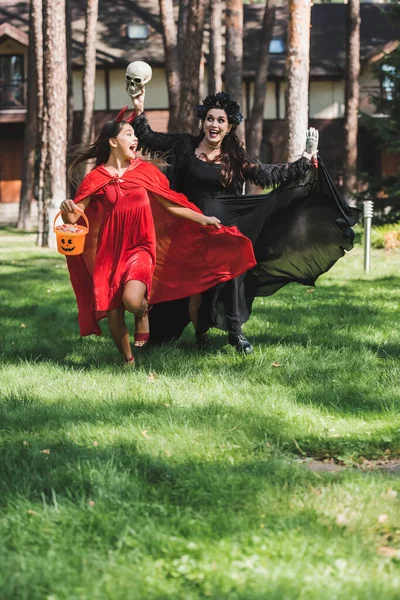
[(382, 518), (341, 519), (388, 551), (144, 433), (46, 451), (275, 364), (310, 291)]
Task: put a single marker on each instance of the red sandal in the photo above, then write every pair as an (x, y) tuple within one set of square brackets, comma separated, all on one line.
[(141, 338), (129, 363)]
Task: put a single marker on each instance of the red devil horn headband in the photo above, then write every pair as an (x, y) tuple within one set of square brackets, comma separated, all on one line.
[(120, 116)]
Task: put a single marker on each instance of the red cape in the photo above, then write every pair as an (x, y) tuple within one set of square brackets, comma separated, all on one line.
[(190, 258)]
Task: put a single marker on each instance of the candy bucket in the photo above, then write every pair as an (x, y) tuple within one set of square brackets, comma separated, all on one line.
[(70, 238)]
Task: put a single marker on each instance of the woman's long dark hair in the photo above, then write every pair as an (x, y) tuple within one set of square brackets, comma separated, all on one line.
[(234, 161)]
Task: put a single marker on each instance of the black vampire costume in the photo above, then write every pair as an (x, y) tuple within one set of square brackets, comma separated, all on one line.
[(298, 231)]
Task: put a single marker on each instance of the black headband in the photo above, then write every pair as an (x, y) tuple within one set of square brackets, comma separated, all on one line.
[(222, 101)]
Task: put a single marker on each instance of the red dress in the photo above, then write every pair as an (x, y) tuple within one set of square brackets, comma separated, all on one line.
[(133, 236), (126, 247)]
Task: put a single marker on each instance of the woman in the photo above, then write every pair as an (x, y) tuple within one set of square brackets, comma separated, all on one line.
[(211, 169), (134, 248)]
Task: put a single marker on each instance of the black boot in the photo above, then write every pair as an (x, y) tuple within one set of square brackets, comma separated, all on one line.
[(240, 342)]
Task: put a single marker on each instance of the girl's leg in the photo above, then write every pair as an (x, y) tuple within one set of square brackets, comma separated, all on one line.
[(119, 333), (194, 307), (135, 301)]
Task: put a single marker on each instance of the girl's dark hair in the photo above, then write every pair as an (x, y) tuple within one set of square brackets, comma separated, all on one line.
[(234, 161), (98, 152)]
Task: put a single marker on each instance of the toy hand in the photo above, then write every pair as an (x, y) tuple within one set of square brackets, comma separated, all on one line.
[(312, 137)]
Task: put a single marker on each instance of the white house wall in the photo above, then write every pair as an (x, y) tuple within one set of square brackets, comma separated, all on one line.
[(100, 90), (326, 99)]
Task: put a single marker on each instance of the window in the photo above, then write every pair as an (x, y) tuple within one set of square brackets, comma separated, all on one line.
[(277, 46), (137, 31), (12, 81), (388, 76)]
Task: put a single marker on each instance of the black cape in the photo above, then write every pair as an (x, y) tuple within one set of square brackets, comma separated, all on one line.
[(298, 232)]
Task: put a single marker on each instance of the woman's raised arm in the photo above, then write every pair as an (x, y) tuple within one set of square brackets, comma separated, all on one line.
[(149, 140), (267, 176)]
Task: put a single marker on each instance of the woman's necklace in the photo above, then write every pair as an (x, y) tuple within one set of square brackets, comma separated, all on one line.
[(210, 146)]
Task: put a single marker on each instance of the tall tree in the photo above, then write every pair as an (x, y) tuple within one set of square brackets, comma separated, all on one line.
[(233, 75), (31, 123), (182, 27), (190, 77), (68, 23), (352, 97), (54, 116), (41, 140), (297, 69), (215, 48), (172, 62), (255, 130), (89, 72)]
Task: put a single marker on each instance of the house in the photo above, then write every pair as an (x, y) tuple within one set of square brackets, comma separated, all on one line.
[(131, 30)]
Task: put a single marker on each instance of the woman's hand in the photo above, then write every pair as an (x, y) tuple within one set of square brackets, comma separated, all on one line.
[(138, 102), (68, 206), (211, 221)]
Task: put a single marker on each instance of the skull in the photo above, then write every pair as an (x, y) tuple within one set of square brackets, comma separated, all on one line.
[(138, 73)]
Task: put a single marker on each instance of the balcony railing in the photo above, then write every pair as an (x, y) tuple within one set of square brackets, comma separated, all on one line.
[(12, 94)]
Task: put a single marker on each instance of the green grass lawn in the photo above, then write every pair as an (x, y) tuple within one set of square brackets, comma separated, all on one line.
[(187, 478)]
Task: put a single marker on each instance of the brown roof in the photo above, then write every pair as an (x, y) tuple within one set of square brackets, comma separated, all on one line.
[(328, 34)]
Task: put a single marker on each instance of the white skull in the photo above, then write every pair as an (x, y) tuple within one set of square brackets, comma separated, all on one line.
[(138, 73)]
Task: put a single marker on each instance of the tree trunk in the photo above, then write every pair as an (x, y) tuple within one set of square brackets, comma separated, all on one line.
[(233, 75), (352, 95), (297, 68), (55, 114), (70, 119), (70, 93), (215, 50), (41, 142), (190, 79), (172, 62), (255, 130), (30, 133), (89, 73), (182, 28)]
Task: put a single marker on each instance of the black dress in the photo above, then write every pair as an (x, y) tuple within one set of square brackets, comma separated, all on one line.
[(298, 231)]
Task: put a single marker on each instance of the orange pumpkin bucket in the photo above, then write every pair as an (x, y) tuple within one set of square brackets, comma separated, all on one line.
[(70, 238)]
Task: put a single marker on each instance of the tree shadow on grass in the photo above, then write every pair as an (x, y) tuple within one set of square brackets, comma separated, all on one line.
[(24, 416)]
